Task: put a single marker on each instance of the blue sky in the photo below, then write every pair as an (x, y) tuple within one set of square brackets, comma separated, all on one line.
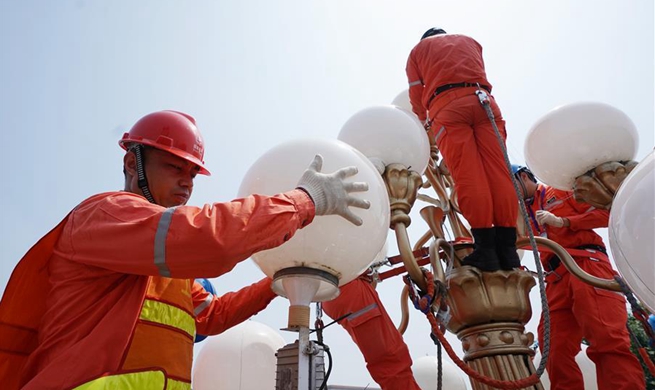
[(76, 74)]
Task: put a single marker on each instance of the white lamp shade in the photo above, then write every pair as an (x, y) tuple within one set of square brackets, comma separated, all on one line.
[(587, 367), (228, 361), (402, 101), (632, 231), (330, 243), (382, 254), (425, 373), (390, 134), (572, 139)]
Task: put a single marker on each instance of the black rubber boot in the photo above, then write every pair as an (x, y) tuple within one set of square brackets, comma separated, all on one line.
[(484, 255), (506, 248)]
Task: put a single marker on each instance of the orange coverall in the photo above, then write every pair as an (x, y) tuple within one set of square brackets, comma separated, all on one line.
[(386, 354), (110, 254), (460, 126), (579, 310)]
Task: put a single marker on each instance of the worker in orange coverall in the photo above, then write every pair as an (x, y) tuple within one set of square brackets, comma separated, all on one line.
[(121, 308), (444, 73), (369, 325), (577, 309)]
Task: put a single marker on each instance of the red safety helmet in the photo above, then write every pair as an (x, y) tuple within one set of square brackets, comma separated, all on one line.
[(172, 131)]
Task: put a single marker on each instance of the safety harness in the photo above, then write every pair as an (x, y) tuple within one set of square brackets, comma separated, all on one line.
[(446, 87)]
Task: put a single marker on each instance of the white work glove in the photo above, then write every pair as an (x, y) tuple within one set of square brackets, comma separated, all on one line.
[(548, 218), (330, 193), (379, 164)]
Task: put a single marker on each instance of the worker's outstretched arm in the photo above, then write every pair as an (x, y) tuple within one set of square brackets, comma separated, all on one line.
[(122, 232), (216, 314)]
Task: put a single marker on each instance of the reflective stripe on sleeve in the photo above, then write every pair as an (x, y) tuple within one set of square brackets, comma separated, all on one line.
[(439, 133), (160, 242), (165, 314), (205, 304), (362, 311), (414, 83)]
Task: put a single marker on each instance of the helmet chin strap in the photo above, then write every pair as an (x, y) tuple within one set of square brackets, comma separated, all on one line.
[(141, 173), (524, 190)]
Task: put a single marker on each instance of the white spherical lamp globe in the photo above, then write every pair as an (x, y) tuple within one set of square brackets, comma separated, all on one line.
[(390, 134), (330, 244), (632, 231), (572, 139), (228, 361), (587, 367), (425, 371), (402, 101), (382, 254)]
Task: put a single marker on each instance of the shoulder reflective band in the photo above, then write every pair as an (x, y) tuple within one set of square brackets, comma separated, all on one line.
[(413, 83), (162, 313), (145, 380), (160, 242)]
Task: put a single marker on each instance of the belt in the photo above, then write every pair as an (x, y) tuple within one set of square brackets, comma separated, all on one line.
[(446, 87), (555, 261)]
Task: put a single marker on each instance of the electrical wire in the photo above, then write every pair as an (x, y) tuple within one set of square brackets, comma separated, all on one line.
[(329, 369)]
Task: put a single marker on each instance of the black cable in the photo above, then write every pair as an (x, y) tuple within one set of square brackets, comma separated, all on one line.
[(436, 342), (329, 370), (331, 323), (439, 367)]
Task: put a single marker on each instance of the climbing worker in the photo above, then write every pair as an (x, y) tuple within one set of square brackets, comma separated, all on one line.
[(370, 327), (445, 72), (578, 310), (120, 309)]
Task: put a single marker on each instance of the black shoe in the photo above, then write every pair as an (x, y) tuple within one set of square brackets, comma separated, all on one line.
[(484, 255), (506, 248)]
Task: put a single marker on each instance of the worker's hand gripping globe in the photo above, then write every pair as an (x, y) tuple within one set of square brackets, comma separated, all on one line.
[(330, 244)]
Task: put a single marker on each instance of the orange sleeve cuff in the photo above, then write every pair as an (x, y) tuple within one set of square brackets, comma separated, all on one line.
[(304, 205)]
